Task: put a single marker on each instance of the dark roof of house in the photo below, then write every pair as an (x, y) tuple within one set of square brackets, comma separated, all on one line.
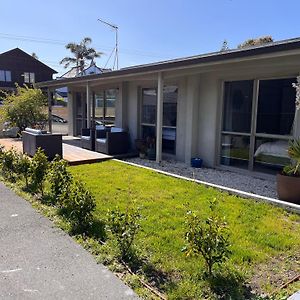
[(269, 48), (17, 52)]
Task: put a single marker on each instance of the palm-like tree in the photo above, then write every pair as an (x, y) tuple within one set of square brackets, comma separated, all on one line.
[(82, 53)]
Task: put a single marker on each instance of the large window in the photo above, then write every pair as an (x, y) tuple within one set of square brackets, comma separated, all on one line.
[(148, 116), (257, 124), (105, 102), (276, 106), (5, 75)]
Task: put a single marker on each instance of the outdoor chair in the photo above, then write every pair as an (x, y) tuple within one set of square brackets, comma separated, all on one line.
[(87, 139), (50, 143), (112, 141)]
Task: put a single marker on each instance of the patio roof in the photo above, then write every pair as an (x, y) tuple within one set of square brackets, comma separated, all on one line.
[(220, 56)]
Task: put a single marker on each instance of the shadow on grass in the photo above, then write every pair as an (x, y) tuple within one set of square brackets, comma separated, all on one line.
[(139, 264), (230, 285), (95, 229)]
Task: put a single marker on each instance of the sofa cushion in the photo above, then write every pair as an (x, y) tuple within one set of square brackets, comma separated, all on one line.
[(102, 141), (33, 131), (116, 129), (100, 127), (85, 137)]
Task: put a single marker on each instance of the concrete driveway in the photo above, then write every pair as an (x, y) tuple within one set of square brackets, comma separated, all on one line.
[(39, 261)]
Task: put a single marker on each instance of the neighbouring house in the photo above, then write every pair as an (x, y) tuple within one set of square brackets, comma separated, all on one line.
[(91, 69), (62, 93), (235, 109), (17, 66)]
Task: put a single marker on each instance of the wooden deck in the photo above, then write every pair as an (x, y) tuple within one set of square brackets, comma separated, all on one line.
[(73, 154)]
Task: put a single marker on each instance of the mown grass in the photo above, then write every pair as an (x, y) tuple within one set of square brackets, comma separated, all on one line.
[(259, 231)]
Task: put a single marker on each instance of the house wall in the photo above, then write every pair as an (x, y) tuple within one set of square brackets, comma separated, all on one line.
[(210, 99), (199, 105)]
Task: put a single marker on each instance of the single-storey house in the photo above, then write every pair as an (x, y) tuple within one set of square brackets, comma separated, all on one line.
[(235, 109)]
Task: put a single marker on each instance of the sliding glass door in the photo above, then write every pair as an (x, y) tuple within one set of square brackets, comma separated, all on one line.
[(148, 117), (258, 118), (105, 102), (236, 129)]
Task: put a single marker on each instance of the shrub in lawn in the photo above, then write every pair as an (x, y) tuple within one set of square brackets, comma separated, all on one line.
[(38, 171), (23, 168), (78, 204), (8, 162), (208, 237), (124, 225), (59, 178)]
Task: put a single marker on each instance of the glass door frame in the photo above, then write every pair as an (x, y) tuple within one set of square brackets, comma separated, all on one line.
[(141, 124), (252, 135)]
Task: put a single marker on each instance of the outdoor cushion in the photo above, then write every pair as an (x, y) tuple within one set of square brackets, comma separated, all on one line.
[(85, 137), (100, 127), (116, 129), (101, 141), (32, 130)]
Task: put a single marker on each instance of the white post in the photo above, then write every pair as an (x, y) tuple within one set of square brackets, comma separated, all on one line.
[(88, 105), (159, 114), (49, 109)]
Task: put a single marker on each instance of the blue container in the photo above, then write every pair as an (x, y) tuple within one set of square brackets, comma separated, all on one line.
[(196, 162)]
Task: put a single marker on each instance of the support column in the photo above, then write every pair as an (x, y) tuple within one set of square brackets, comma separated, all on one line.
[(192, 93), (49, 94), (159, 114), (88, 105), (71, 112)]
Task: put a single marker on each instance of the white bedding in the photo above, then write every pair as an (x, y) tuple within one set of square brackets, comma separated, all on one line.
[(278, 149)]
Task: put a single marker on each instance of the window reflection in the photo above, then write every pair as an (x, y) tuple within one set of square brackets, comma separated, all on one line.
[(235, 151)]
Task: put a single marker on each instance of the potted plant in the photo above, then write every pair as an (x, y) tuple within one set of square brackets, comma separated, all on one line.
[(288, 181), (141, 146), (143, 151)]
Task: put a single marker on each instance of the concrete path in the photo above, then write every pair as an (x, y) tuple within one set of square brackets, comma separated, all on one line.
[(39, 261)]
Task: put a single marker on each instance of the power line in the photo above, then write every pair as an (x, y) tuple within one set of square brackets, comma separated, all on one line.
[(63, 43)]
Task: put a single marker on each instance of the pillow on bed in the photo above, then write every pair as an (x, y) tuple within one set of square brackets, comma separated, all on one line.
[(278, 149)]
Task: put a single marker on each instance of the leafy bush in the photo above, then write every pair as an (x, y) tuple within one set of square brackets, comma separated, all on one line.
[(8, 162), (59, 178), (124, 225), (207, 237), (23, 168), (24, 108), (79, 204), (38, 171)]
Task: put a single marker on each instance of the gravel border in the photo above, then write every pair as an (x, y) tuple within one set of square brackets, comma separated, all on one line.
[(245, 183)]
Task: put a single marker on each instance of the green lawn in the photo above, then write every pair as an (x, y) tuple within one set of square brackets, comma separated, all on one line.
[(259, 231)]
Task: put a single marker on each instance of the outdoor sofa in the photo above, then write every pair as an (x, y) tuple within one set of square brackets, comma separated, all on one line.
[(87, 139), (112, 141), (50, 143)]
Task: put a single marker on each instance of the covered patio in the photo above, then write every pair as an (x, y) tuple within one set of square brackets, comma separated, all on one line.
[(85, 94)]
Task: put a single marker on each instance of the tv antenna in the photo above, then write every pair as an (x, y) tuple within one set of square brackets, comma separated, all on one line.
[(115, 49)]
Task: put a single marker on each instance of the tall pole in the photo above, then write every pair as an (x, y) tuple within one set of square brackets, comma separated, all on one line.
[(116, 50)]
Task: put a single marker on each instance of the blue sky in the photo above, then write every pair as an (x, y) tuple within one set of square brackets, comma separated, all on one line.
[(148, 30)]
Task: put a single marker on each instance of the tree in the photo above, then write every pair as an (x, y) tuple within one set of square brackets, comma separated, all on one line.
[(82, 53), (225, 46), (24, 108), (256, 42)]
